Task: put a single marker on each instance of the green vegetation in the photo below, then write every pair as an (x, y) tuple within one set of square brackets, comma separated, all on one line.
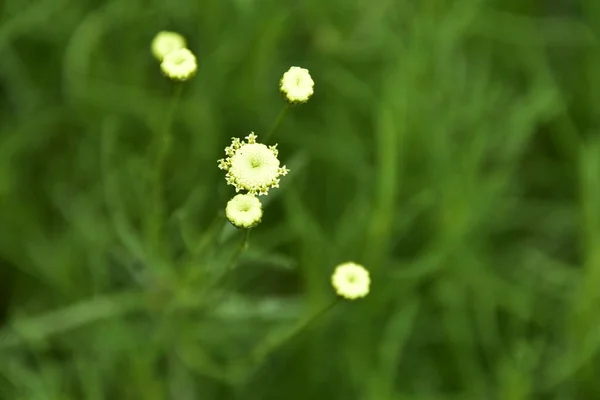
[(452, 147)]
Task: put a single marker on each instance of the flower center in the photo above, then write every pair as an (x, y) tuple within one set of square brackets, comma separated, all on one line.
[(244, 207), (255, 162)]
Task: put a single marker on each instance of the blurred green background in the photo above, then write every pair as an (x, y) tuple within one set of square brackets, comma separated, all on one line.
[(451, 147)]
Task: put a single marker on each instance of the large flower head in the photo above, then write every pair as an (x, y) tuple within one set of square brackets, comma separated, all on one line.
[(244, 211), (165, 42), (179, 64), (351, 280), (296, 85), (251, 166)]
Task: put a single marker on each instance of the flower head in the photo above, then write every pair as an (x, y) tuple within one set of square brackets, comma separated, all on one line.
[(244, 211), (351, 280), (296, 85), (179, 64), (165, 42), (252, 166)]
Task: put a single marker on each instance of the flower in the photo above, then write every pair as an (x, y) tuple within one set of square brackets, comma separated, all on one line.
[(351, 280), (179, 64), (244, 211), (252, 166), (165, 42), (296, 85)]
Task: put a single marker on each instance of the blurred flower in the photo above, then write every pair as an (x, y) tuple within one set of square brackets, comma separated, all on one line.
[(165, 42), (179, 64), (244, 211), (351, 280), (296, 85), (252, 166)]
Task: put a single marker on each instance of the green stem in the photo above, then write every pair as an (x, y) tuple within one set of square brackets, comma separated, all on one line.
[(200, 298), (244, 244), (209, 238), (277, 122), (113, 199), (277, 340), (162, 149)]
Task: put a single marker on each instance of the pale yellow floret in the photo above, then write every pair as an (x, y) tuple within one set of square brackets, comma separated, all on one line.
[(351, 280), (165, 42), (179, 64), (252, 167), (244, 211), (296, 85)]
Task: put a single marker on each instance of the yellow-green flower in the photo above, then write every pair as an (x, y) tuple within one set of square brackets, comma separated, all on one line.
[(351, 280), (296, 85), (244, 211), (179, 64), (165, 42), (252, 166)]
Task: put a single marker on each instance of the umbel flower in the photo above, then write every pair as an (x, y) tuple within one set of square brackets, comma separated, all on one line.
[(252, 166), (351, 280), (179, 64), (165, 42), (296, 85), (244, 211)]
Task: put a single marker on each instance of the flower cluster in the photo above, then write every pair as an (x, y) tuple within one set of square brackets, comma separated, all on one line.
[(176, 60), (251, 166), (254, 168), (351, 280)]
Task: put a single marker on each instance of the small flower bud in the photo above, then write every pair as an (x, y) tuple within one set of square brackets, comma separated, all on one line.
[(165, 42), (179, 64), (351, 280), (244, 211), (296, 85)]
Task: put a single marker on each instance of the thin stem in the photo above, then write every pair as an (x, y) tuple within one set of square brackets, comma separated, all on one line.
[(244, 244), (114, 202), (271, 344), (191, 280), (162, 149), (208, 239), (277, 122)]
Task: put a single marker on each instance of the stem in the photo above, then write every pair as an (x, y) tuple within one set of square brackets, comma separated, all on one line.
[(231, 265), (271, 344), (208, 239), (234, 259), (277, 122), (162, 149), (114, 201), (190, 281)]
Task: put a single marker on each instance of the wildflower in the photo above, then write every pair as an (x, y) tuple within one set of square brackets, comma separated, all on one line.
[(165, 42), (244, 211), (351, 280), (179, 64), (296, 85), (252, 166)]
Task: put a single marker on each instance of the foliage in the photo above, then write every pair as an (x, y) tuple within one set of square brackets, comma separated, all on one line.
[(451, 147)]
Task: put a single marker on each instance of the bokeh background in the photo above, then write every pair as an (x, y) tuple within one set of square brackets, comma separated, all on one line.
[(451, 147)]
